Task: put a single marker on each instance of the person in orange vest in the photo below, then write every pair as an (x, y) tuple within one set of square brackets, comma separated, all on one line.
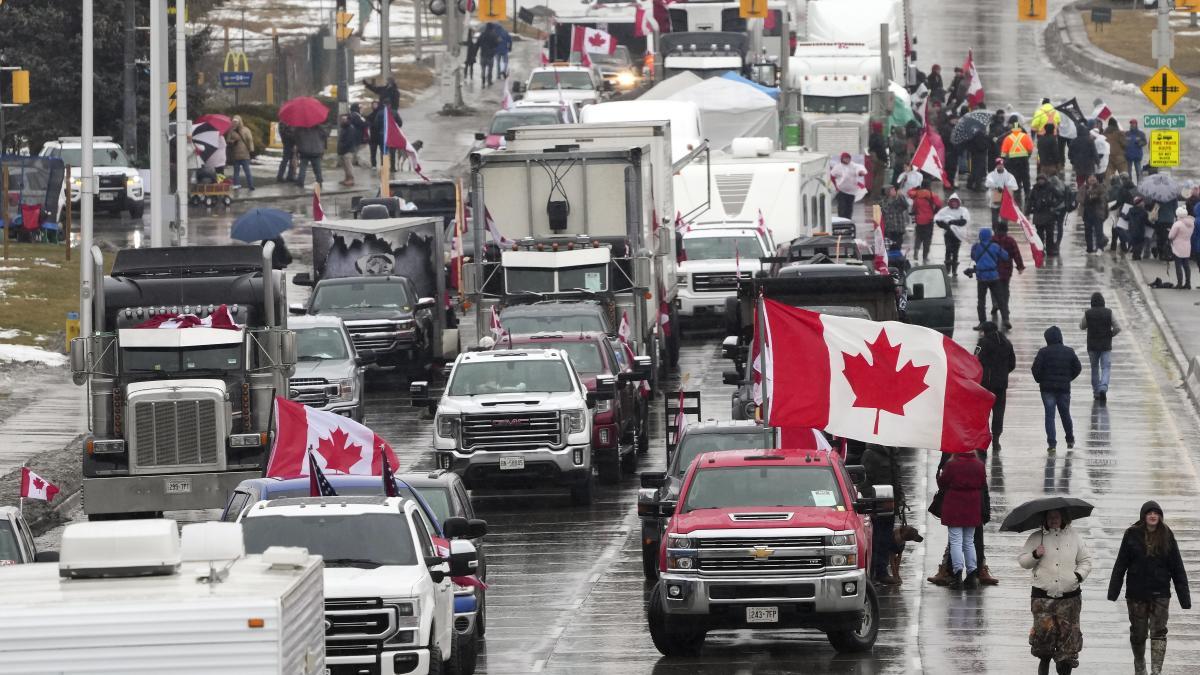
[(1016, 148)]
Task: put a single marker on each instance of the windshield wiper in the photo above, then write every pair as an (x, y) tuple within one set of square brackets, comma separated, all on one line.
[(354, 562), (527, 292)]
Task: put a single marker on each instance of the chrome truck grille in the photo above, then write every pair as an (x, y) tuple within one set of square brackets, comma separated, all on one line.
[(770, 542), (357, 626), (512, 431), (168, 434), (311, 391), (772, 565), (717, 281), (372, 336), (837, 139)]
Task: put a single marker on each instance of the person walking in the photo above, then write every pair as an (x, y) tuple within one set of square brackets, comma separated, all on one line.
[(901, 150), (1135, 142), (1060, 561), (1101, 328), (925, 205), (962, 480), (1049, 152), (503, 47), (1180, 237), (954, 219), (488, 42), (1164, 218), (987, 255), (1015, 149), (1082, 154), (894, 210), (350, 134), (1139, 228), (997, 358), (933, 82), (1118, 161), (287, 163), (879, 462), (878, 168), (1001, 237), (310, 144), (846, 176), (1054, 368), (1095, 210), (1043, 206), (1149, 563), (1045, 119), (996, 183), (239, 142), (472, 55)]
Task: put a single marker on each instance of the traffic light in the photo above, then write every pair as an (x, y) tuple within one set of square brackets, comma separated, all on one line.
[(343, 25), (20, 86)]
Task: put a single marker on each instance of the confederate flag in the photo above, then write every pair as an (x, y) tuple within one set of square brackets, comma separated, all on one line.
[(885, 382), (337, 444)]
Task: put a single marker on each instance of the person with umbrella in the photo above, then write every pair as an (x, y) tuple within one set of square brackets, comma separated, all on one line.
[(287, 162), (310, 145), (1149, 563), (1060, 561), (265, 224), (1054, 368), (240, 145)]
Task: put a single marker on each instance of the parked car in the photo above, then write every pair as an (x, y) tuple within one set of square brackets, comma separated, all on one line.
[(119, 185), (16, 540), (385, 318), (503, 120), (329, 371)]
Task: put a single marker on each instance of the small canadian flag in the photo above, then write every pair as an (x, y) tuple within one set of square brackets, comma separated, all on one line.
[(34, 486)]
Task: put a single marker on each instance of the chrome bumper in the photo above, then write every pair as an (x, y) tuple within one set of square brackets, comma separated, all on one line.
[(129, 494), (827, 596)]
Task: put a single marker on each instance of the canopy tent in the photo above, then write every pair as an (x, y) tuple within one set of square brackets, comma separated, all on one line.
[(773, 92), (670, 86), (730, 109)]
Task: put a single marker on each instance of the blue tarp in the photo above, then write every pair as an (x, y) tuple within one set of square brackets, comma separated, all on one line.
[(773, 92)]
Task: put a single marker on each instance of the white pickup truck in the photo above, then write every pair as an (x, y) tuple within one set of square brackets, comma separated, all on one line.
[(389, 599), (715, 257)]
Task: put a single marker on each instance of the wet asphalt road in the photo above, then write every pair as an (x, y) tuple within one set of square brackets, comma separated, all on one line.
[(566, 588)]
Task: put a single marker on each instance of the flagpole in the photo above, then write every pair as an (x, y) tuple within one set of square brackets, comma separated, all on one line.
[(761, 325)]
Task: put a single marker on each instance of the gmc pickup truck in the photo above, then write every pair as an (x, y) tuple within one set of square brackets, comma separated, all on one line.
[(767, 539)]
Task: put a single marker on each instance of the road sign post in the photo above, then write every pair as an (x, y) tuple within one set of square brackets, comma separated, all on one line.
[(1164, 89), (1033, 10), (752, 9), (1164, 148), (1164, 121)]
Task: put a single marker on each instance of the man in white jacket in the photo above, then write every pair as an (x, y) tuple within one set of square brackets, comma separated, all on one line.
[(846, 175), (996, 183), (953, 218)]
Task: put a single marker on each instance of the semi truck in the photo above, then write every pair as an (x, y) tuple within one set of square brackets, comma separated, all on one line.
[(190, 348)]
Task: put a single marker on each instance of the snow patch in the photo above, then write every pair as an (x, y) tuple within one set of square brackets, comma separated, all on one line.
[(1122, 87), (10, 333), (31, 355), (13, 269)]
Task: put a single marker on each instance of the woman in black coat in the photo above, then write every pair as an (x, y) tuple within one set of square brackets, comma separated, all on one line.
[(1149, 563), (995, 354)]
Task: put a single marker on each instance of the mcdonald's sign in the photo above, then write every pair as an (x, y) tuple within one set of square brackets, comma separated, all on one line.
[(236, 72)]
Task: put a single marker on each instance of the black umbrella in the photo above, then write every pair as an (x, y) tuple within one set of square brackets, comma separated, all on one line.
[(971, 125), (1028, 516)]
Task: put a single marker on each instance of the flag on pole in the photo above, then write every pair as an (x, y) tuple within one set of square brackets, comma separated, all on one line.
[(318, 484), (927, 160), (644, 22), (394, 139), (974, 85), (34, 486), (881, 264), (1071, 110), (802, 438), (878, 382), (495, 327), (625, 335), (1010, 212), (1101, 111), (389, 478), (545, 56), (761, 226), (337, 444), (318, 212)]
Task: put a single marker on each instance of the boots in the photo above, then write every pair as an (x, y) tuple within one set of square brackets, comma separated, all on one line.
[(1158, 652), (942, 577), (1139, 656), (956, 581), (985, 575), (1044, 667), (972, 581), (1065, 667)]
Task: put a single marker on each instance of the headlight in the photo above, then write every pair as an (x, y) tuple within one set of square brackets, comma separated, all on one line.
[(603, 406), (625, 79), (574, 421), (843, 560), (840, 540), (133, 180), (447, 426), (345, 389), (680, 541), (681, 279), (404, 324), (685, 562), (408, 612)]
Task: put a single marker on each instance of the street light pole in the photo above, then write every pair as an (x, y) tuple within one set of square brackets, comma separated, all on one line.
[(385, 40), (87, 189), (182, 127), (1164, 47), (158, 131)]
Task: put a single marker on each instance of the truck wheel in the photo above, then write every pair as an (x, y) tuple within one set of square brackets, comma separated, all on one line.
[(581, 493), (674, 339), (629, 461), (862, 638), (436, 665), (463, 654), (672, 637), (650, 562), (609, 470), (136, 210)]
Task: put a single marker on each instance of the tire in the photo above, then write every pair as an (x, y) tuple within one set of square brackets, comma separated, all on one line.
[(672, 637), (629, 461), (209, 202), (609, 470), (436, 665), (463, 655), (861, 639), (136, 210), (650, 562), (581, 493), (643, 432), (481, 617)]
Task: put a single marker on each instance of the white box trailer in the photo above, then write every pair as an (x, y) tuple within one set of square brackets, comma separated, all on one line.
[(127, 597)]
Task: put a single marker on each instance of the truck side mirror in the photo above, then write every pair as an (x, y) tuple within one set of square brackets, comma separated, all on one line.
[(642, 273), (420, 393), (454, 526), (437, 568), (607, 86), (606, 381), (46, 556), (917, 292), (287, 348), (80, 351), (303, 279), (601, 394), (731, 377), (464, 559), (653, 479), (469, 279), (476, 528), (297, 309), (643, 366), (667, 509), (426, 303), (883, 504), (365, 359), (729, 347)]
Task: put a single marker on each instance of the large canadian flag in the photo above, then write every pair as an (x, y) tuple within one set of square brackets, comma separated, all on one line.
[(879, 382), (1009, 211), (34, 486), (926, 158), (338, 444), (592, 41), (974, 85)]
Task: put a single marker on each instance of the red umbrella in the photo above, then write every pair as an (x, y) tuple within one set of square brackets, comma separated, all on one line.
[(303, 112), (219, 122)]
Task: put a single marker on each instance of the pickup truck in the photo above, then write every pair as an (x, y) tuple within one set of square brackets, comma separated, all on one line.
[(329, 372), (386, 320), (767, 539)]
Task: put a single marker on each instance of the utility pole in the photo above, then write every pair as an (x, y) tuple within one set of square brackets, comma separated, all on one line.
[(129, 76), (454, 38), (183, 128), (87, 187), (418, 23), (341, 33), (158, 128), (1162, 45), (385, 38)]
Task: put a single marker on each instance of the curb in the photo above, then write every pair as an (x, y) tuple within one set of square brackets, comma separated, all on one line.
[(1186, 370)]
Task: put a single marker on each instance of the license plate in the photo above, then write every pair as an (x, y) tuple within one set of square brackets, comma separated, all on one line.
[(762, 615), (511, 462), (108, 196), (178, 486)]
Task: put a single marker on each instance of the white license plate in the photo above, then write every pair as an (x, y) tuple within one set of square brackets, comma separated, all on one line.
[(762, 615), (511, 462), (178, 486), (108, 196)]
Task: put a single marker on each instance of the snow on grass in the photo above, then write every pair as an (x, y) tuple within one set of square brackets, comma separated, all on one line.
[(10, 333), (13, 269), (303, 17), (1122, 87), (28, 354)]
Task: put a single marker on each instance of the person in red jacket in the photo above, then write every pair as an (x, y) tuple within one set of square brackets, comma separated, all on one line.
[(961, 481), (1000, 236), (925, 205)]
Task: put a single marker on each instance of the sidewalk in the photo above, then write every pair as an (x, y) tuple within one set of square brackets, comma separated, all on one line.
[(1175, 312)]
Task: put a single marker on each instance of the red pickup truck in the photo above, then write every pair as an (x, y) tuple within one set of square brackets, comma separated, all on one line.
[(767, 539)]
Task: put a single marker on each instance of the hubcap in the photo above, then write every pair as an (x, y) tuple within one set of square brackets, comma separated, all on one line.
[(868, 618)]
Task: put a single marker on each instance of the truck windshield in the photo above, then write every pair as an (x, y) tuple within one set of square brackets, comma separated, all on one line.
[(593, 278), (829, 105), (737, 486), (509, 377), (722, 248), (333, 297), (694, 445), (216, 357), (502, 123), (585, 356), (553, 323), (367, 539), (316, 344), (561, 79), (100, 157), (10, 552)]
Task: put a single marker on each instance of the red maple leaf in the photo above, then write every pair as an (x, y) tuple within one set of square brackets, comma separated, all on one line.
[(881, 384), (338, 453), (38, 484), (597, 40)]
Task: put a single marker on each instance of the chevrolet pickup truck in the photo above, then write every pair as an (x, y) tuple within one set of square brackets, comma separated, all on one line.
[(767, 539)]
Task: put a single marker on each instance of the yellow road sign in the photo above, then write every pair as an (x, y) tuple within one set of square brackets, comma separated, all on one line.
[(171, 102), (1164, 147), (1187, 5), (1164, 89), (1033, 10), (492, 10), (752, 9)]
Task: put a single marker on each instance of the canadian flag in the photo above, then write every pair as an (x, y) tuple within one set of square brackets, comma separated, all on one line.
[(803, 438), (545, 56), (496, 328), (219, 318), (644, 22), (761, 227), (394, 139), (881, 264), (926, 158), (318, 214), (1101, 112), (338, 444), (1010, 212), (625, 335), (34, 486), (879, 382), (974, 86), (592, 41)]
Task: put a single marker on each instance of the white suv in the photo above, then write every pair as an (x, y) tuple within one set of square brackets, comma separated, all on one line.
[(389, 599), (564, 83), (119, 184), (516, 417)]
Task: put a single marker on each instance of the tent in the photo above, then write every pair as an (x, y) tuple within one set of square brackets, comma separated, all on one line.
[(731, 109), (773, 92), (671, 85)]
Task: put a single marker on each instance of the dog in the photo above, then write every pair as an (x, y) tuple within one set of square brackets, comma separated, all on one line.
[(406, 158), (900, 536)]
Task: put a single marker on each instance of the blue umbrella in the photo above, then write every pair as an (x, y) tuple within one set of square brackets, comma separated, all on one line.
[(260, 224)]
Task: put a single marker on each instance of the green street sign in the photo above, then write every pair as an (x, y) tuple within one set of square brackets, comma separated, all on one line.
[(1164, 121)]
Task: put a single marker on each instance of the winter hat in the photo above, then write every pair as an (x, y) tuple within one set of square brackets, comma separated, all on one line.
[(999, 161), (1150, 506), (1181, 212), (845, 155), (1133, 123), (954, 198), (1045, 100)]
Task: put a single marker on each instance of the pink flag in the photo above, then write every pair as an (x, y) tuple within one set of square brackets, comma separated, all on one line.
[(34, 486), (495, 327), (1010, 212), (338, 444)]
